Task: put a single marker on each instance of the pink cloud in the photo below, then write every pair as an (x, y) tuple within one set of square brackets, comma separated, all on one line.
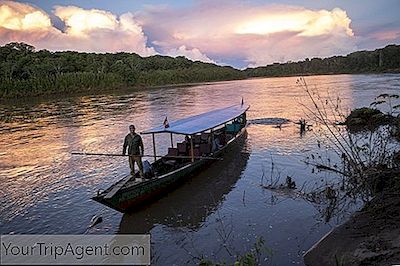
[(193, 54), (86, 30), (387, 35), (227, 30), (260, 34)]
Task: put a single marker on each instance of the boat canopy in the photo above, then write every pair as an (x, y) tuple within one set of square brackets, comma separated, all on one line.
[(202, 122)]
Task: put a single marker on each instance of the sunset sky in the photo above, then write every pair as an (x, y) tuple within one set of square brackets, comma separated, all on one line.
[(236, 33)]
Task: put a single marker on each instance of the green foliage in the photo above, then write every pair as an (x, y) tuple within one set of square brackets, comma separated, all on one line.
[(389, 100), (381, 60), (365, 119), (395, 132), (26, 72), (250, 258)]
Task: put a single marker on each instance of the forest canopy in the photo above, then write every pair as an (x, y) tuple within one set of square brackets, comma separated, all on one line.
[(379, 61), (24, 71)]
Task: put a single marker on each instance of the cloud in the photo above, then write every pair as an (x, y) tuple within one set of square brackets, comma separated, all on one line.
[(386, 35), (17, 16), (80, 22), (210, 31), (85, 30), (302, 21), (260, 34), (193, 54)]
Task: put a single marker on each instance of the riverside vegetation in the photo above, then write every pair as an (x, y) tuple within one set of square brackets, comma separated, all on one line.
[(369, 154), (27, 72), (366, 157)]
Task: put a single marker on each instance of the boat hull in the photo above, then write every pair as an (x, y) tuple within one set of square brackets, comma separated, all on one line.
[(128, 199)]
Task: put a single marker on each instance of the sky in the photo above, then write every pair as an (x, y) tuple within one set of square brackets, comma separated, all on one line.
[(239, 33)]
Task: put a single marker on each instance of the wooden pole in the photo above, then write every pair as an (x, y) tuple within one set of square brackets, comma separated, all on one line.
[(172, 141), (154, 147), (145, 155), (191, 147), (212, 140)]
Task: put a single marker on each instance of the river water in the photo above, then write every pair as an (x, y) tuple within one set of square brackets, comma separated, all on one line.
[(219, 213)]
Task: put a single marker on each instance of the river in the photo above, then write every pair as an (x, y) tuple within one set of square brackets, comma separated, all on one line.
[(222, 211)]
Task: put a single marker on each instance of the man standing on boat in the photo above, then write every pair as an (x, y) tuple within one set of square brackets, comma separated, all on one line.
[(135, 147)]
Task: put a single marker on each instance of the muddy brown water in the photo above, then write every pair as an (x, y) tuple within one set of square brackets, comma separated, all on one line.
[(221, 211)]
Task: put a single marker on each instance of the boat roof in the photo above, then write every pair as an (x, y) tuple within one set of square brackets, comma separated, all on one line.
[(201, 122)]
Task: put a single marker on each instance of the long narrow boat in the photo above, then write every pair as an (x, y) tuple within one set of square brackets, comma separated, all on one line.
[(207, 136)]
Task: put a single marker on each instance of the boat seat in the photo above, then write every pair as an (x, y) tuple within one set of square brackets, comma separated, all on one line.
[(196, 152), (182, 147), (205, 148), (197, 139), (172, 152), (204, 136)]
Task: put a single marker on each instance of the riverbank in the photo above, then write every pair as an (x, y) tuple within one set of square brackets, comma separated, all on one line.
[(37, 151), (370, 237), (92, 91), (26, 72), (372, 174), (111, 89)]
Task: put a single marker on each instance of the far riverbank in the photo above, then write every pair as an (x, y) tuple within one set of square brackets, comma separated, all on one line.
[(26, 72), (91, 90)]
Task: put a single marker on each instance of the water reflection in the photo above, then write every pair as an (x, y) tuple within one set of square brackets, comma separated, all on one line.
[(43, 189), (192, 202)]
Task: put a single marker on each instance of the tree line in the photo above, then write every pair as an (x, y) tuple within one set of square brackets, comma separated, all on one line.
[(379, 61), (27, 72)]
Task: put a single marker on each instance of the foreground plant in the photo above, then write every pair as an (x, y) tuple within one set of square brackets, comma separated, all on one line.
[(365, 155), (250, 258)]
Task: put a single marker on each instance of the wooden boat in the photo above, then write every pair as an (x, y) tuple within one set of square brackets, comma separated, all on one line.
[(207, 136), (190, 204)]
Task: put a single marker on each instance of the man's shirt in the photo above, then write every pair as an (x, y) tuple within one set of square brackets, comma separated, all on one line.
[(133, 142)]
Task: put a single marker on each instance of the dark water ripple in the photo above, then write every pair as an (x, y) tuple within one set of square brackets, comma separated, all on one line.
[(46, 190)]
